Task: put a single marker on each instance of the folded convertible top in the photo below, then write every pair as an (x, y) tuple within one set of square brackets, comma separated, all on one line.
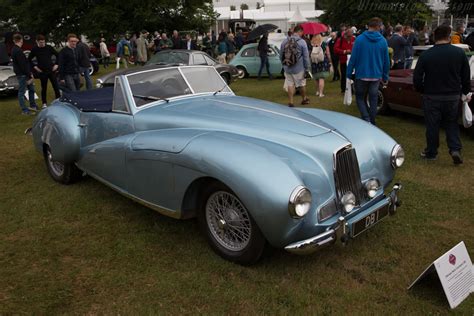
[(95, 100)]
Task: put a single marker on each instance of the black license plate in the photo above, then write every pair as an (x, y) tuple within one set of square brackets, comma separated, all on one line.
[(370, 220)]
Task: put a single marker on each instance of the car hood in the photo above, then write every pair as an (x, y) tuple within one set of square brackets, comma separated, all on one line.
[(235, 114), (6, 72)]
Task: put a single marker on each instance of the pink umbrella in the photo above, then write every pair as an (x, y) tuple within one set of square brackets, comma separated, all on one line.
[(314, 28)]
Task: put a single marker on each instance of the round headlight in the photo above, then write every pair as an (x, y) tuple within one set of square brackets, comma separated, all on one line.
[(300, 202), (372, 186), (348, 201), (99, 83), (397, 157)]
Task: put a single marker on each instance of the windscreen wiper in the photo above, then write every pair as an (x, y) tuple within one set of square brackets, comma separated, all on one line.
[(221, 89), (150, 98)]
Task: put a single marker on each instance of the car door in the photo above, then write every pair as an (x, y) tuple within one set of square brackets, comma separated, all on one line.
[(250, 60), (150, 154), (274, 60), (400, 93), (104, 136)]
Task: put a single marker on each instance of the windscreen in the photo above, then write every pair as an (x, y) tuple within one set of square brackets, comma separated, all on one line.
[(170, 58), (154, 85), (163, 84), (204, 79)]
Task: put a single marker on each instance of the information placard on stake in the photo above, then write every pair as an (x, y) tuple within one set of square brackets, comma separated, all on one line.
[(456, 273)]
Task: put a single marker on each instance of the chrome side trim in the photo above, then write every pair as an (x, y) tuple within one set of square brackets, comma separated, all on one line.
[(160, 209)]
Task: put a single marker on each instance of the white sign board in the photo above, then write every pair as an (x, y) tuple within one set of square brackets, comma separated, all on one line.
[(456, 273)]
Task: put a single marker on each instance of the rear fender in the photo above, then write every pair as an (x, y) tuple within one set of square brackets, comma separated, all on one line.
[(58, 127)]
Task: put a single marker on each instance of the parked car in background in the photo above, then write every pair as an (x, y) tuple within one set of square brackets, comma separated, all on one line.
[(247, 61), (254, 173), (420, 49), (194, 57), (8, 82), (175, 57), (400, 95), (94, 68)]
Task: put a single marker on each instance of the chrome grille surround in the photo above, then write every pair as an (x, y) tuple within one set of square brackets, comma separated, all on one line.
[(347, 174)]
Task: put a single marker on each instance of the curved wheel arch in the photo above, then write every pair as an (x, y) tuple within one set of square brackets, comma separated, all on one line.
[(244, 69)]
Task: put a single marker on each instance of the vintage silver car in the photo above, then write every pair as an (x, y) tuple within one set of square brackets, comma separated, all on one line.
[(254, 173), (8, 82)]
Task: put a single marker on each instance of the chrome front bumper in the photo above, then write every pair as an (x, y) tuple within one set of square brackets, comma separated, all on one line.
[(340, 229), (7, 88)]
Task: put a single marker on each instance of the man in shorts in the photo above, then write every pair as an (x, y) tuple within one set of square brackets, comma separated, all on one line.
[(295, 73)]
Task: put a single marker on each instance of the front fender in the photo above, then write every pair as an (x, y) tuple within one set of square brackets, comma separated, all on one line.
[(262, 180), (57, 126)]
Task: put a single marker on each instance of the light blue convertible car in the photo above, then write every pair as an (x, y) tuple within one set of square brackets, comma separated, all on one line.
[(254, 173)]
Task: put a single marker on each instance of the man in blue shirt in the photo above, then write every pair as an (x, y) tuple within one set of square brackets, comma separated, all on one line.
[(370, 61), (295, 73)]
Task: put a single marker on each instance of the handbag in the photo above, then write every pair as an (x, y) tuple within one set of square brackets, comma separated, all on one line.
[(466, 114), (348, 93)]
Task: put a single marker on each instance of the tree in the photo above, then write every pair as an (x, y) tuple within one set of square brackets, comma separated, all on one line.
[(232, 8), (321, 4), (460, 8), (358, 12), (244, 6), (56, 18)]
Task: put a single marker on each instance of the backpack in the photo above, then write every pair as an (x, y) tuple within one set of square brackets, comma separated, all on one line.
[(290, 53), (317, 55), (126, 50)]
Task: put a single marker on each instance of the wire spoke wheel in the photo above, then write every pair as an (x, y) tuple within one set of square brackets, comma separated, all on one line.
[(381, 106), (380, 101), (228, 221), (56, 167), (65, 173)]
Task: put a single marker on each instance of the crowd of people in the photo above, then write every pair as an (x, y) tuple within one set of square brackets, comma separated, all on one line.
[(442, 74), (363, 56), (139, 48), (72, 62)]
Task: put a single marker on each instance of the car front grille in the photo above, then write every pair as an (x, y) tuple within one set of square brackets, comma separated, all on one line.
[(347, 174), (12, 81)]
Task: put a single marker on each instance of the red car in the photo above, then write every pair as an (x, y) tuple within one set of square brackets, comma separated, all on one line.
[(400, 95)]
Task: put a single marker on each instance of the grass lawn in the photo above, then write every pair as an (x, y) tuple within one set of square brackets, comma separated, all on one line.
[(85, 249)]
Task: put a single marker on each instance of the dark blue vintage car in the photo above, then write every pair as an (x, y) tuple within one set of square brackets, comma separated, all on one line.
[(254, 173)]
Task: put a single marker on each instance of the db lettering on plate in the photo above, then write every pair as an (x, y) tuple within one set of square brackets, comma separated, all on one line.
[(369, 221)]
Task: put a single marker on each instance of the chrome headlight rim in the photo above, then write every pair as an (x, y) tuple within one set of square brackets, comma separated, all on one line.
[(397, 157), (348, 202), (99, 83), (372, 186), (299, 196)]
